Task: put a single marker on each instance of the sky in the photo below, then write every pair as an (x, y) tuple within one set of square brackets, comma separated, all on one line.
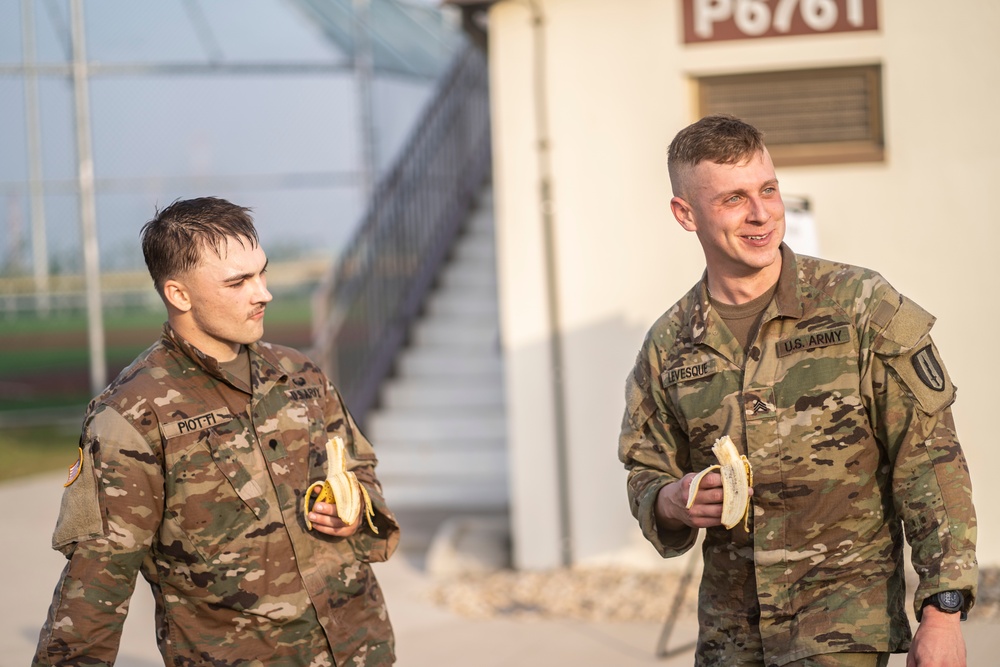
[(286, 144)]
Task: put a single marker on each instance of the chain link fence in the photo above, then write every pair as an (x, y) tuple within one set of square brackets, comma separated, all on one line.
[(286, 106)]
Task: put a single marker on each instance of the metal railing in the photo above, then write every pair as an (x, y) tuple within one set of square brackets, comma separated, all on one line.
[(364, 307)]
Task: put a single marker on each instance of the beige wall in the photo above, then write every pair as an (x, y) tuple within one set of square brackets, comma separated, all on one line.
[(617, 91)]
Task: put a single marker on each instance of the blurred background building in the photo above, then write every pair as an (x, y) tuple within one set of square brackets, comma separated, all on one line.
[(879, 115), (479, 195)]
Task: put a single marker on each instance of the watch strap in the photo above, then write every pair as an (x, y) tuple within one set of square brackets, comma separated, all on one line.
[(949, 602)]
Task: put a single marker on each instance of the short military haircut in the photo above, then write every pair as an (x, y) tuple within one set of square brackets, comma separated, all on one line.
[(719, 138), (173, 241)]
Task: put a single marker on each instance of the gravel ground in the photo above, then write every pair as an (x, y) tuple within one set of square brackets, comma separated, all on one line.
[(606, 594), (588, 594)]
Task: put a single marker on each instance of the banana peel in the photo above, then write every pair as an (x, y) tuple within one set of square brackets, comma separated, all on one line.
[(341, 488), (737, 479)]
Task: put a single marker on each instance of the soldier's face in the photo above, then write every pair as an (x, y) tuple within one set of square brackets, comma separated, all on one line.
[(737, 212), (227, 296)]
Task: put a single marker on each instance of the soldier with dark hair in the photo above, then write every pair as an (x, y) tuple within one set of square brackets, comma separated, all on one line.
[(193, 469), (827, 379)]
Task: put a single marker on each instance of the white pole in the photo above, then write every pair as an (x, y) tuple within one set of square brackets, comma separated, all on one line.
[(88, 208), (364, 66), (40, 253)]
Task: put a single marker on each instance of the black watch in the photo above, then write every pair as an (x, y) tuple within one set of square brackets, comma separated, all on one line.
[(950, 602)]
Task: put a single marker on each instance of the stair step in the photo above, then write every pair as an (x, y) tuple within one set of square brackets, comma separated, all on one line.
[(465, 494), (449, 363), (447, 303), (446, 472), (470, 281), (482, 229), (440, 431), (470, 274), (482, 216), (455, 332), (460, 320), (437, 460), (403, 395), (414, 425), (480, 247), (389, 444)]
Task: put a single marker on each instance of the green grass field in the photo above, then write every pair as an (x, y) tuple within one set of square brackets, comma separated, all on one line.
[(34, 450), (55, 348), (127, 335)]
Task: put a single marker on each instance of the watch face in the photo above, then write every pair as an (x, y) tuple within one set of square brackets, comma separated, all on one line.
[(950, 600)]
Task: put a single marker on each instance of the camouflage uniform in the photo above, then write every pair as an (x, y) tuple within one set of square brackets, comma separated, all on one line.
[(844, 411), (198, 484)]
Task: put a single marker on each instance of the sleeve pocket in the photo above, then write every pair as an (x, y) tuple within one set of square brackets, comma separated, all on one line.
[(906, 348)]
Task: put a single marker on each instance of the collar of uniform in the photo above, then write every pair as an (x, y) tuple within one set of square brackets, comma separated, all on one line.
[(701, 305), (265, 368), (707, 329), (173, 340), (788, 298)]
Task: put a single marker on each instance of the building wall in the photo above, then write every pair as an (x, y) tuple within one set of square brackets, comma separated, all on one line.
[(616, 88)]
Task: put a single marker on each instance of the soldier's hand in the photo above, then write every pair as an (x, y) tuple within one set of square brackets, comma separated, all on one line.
[(325, 520), (938, 641), (672, 512)]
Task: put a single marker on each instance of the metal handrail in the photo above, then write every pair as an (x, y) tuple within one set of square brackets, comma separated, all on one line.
[(363, 309)]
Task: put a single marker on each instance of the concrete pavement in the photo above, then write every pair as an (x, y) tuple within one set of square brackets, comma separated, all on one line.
[(426, 635)]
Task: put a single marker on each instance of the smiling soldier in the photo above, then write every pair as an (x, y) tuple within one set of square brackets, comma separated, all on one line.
[(826, 379)]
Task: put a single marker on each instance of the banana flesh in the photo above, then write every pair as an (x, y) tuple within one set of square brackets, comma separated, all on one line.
[(341, 488), (737, 478)]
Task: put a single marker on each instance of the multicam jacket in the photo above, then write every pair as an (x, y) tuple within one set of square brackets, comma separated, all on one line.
[(843, 408), (198, 485)]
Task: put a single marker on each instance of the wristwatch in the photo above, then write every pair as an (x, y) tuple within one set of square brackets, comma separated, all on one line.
[(950, 602)]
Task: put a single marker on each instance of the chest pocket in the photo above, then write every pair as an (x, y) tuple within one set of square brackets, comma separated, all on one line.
[(295, 411), (240, 460), (703, 391), (214, 482), (291, 423)]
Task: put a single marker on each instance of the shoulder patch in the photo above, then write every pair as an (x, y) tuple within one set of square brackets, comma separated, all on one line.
[(906, 347), (74, 470), (924, 377), (928, 368)]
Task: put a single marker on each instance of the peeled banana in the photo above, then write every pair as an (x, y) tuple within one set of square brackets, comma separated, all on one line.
[(737, 478), (341, 487)]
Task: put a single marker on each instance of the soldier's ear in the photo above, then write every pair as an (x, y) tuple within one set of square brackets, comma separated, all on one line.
[(683, 214), (177, 295)]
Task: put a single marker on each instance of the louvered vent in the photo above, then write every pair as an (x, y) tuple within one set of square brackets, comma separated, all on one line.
[(808, 116)]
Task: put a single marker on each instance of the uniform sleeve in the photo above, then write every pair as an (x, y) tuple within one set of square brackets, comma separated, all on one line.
[(931, 485), (106, 524), (368, 546), (654, 451)]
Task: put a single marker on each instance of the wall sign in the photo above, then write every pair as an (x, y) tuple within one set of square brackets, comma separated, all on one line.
[(718, 20)]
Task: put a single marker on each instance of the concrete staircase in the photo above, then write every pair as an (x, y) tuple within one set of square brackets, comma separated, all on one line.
[(439, 430)]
